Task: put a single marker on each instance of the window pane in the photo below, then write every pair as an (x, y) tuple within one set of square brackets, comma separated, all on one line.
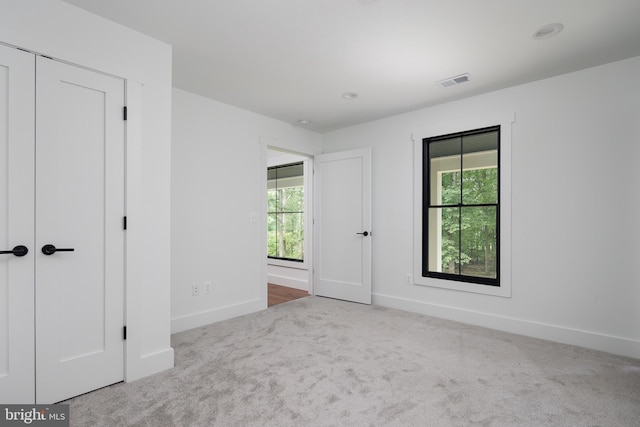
[(291, 234), (479, 241), (479, 164), (444, 249), (444, 157), (480, 186), (288, 172), (271, 200), (450, 188), (272, 237), (285, 235), (293, 199)]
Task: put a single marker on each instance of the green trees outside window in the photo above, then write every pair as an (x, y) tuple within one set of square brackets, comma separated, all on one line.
[(285, 212), (461, 218)]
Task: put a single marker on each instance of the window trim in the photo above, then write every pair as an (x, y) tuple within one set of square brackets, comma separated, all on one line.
[(505, 121)]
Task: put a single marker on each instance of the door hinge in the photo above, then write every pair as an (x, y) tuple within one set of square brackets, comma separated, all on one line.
[(124, 333), (124, 222), (124, 113)]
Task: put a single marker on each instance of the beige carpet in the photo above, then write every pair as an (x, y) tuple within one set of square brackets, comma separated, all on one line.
[(322, 362)]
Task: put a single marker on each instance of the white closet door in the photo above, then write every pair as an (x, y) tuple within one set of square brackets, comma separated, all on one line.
[(16, 226), (79, 206)]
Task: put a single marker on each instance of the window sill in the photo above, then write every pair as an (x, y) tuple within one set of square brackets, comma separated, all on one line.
[(500, 291), (289, 264)]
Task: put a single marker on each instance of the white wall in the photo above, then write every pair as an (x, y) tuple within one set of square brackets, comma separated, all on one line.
[(68, 33), (219, 167), (575, 209), (289, 275)]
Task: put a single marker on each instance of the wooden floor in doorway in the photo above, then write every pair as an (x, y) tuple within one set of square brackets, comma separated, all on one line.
[(279, 294)]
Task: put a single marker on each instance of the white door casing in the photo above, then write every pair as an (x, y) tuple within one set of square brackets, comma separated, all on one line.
[(16, 226), (342, 224), (80, 206)]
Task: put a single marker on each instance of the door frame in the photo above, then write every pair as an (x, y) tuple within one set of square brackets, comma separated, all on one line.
[(266, 145), (307, 161), (264, 148)]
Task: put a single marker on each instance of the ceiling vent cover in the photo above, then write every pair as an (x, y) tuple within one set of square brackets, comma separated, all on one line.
[(451, 81)]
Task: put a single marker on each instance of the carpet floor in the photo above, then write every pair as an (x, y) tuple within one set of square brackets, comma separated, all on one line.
[(322, 362)]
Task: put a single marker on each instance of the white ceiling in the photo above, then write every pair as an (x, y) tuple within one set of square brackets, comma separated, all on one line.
[(293, 59)]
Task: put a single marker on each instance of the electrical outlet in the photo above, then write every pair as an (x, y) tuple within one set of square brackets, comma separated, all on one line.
[(409, 279), (207, 287), (195, 290)]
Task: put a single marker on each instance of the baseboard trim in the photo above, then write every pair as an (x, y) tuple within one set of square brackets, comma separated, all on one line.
[(592, 340), (203, 318), (288, 282), (149, 364)]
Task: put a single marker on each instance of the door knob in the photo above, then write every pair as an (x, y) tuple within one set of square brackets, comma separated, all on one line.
[(17, 251), (50, 249), (364, 233)]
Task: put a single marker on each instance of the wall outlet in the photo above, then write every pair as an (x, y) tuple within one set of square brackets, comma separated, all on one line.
[(409, 279), (207, 287), (195, 290)]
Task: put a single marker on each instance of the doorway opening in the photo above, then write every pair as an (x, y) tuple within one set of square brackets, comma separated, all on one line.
[(289, 226)]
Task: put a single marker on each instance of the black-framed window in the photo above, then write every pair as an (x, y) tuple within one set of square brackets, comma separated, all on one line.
[(461, 206), (285, 212)]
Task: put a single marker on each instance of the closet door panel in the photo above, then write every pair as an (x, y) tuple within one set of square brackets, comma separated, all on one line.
[(17, 380), (79, 206)]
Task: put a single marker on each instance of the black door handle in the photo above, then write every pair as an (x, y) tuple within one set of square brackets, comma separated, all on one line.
[(364, 233), (17, 251), (50, 249)]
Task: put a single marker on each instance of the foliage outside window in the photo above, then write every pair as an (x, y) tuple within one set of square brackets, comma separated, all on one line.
[(285, 212), (461, 213)]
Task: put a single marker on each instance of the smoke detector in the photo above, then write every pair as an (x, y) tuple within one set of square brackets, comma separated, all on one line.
[(462, 78)]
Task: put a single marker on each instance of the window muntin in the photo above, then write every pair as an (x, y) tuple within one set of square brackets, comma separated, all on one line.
[(461, 213), (285, 212)]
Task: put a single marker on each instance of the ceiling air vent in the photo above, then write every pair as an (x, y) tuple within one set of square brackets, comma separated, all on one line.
[(462, 78)]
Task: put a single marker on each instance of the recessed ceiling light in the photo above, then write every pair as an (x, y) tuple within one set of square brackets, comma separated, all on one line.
[(547, 31), (303, 122), (349, 95)]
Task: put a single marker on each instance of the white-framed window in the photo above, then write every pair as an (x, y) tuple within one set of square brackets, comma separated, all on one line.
[(462, 206)]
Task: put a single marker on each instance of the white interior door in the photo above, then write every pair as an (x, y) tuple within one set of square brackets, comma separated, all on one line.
[(342, 206), (79, 206), (16, 226)]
